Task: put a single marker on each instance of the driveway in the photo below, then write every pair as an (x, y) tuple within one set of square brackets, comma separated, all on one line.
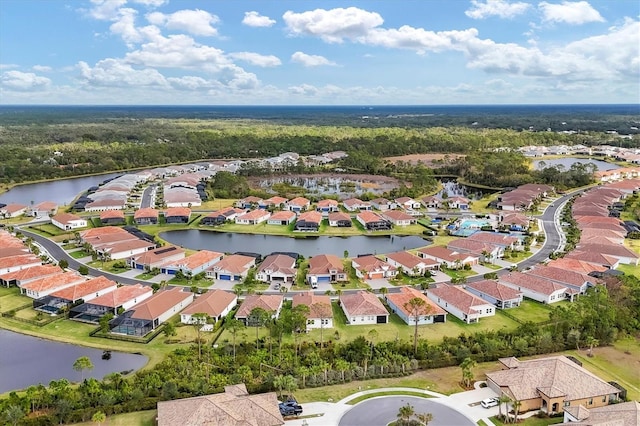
[(378, 283), (470, 400), (224, 284), (479, 269)]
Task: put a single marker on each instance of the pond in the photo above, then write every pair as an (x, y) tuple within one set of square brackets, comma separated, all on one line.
[(27, 360), (568, 162), (454, 189), (310, 246), (62, 191), (344, 186)]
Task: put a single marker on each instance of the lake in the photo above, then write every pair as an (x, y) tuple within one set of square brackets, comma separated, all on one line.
[(27, 360), (265, 244), (62, 191), (568, 162)]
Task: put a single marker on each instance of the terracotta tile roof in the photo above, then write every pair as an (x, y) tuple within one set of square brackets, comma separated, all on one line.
[(598, 239), (298, 201), (279, 263), (283, 215), (198, 259), (597, 219), (112, 214), (12, 208), (327, 203), (154, 256), (408, 293), (600, 225), (177, 212), (323, 263), (380, 201), (362, 303), (121, 295), (13, 251), (254, 215), (592, 257), (81, 290), (444, 253), (102, 231), (533, 283), (475, 247), (576, 265), (553, 375), (409, 260), (616, 235), (371, 263), (19, 260), (457, 297), (146, 212), (311, 216), (53, 282), (66, 218), (353, 202), (45, 206), (212, 303), (231, 408), (275, 201), (608, 249), (107, 202), (396, 215), (319, 305), (31, 273), (368, 217), (251, 199), (336, 216), (561, 275), (268, 302), (515, 219), (234, 263), (159, 303), (403, 200), (493, 238), (495, 290), (122, 246)]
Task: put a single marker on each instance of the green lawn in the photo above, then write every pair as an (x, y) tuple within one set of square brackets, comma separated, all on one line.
[(191, 282), (137, 418), (458, 273), (531, 310), (10, 298), (79, 254), (145, 276), (108, 266), (517, 256), (630, 270), (531, 421), (387, 393)]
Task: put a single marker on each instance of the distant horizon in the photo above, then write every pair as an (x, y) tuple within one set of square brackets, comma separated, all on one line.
[(319, 105)]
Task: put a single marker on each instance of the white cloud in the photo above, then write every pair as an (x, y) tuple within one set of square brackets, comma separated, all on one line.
[(41, 68), (114, 73), (105, 10), (196, 22), (254, 19), (8, 66), (151, 3), (334, 25), (500, 8), (257, 59), (310, 60), (419, 39), (23, 81), (574, 13), (124, 25), (191, 83)]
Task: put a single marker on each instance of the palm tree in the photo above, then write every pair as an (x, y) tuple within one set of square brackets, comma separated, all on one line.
[(405, 413), (234, 325), (467, 375), (503, 399), (516, 407), (424, 418), (416, 307), (592, 342), (199, 319), (81, 364)]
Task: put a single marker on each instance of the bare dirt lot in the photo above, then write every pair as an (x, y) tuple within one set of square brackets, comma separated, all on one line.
[(430, 160)]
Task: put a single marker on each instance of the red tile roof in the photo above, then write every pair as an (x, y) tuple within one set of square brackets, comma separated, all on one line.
[(81, 290), (539, 285), (53, 282), (160, 303), (298, 201), (112, 214), (31, 273), (362, 303), (408, 293), (409, 260), (283, 215), (311, 216), (457, 297), (323, 263), (177, 212), (268, 302), (496, 290), (319, 305), (66, 218), (121, 295), (576, 265), (368, 217), (212, 303), (234, 263), (327, 203), (145, 212)]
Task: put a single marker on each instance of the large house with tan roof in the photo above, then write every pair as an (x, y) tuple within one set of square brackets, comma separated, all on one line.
[(44, 209), (216, 304), (253, 217), (46, 285), (551, 384), (325, 268), (146, 216), (542, 290), (150, 313), (484, 251), (13, 210), (23, 276), (363, 308), (576, 265), (232, 407), (622, 414), (275, 201), (502, 296), (600, 259), (193, 264), (114, 302), (460, 303), (620, 252), (68, 221), (85, 291), (340, 220), (411, 264), (320, 311), (383, 204), (371, 268), (231, 268), (271, 303), (450, 258), (429, 314), (575, 280), (355, 204), (277, 267), (498, 239)]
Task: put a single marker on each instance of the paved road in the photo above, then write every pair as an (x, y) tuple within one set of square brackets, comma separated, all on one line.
[(382, 411), (148, 196)]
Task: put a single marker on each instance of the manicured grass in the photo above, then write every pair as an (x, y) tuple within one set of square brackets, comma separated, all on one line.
[(108, 266), (531, 421), (519, 256), (530, 310), (480, 206), (10, 298), (630, 270), (79, 254), (190, 282), (491, 266), (146, 276), (386, 393), (70, 246), (459, 273), (217, 204), (137, 418)]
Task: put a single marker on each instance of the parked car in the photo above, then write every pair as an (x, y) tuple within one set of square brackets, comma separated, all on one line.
[(290, 408), (489, 402)]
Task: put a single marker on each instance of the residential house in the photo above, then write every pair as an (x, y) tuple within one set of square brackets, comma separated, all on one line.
[(407, 203), (340, 220), (57, 301), (298, 204), (284, 217), (114, 302), (272, 303), (576, 265), (497, 238), (542, 290), (484, 251), (177, 215), (372, 221), (432, 202), (147, 315), (219, 217), (146, 216), (398, 218), (231, 268), (155, 258), (193, 264), (574, 280), (450, 258), (249, 202), (103, 204), (181, 197), (23, 276), (320, 312), (514, 221), (622, 414), (233, 407), (500, 295), (429, 313), (273, 202), (327, 206), (13, 210), (460, 303), (68, 221), (383, 204), (600, 259), (326, 268), (253, 217), (371, 268), (112, 217), (410, 264), (44, 209), (123, 249), (18, 262), (363, 308), (623, 254), (355, 204), (277, 267), (458, 202), (46, 285), (552, 384), (309, 222), (215, 304)]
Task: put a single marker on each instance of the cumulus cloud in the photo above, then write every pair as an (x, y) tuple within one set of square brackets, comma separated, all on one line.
[(573, 13), (254, 19), (196, 22), (191, 83), (105, 10), (24, 81), (333, 26), (257, 59), (8, 66), (310, 60), (500, 8), (114, 73), (41, 68), (151, 3)]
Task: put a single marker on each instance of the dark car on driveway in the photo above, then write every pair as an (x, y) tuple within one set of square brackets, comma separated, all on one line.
[(290, 408)]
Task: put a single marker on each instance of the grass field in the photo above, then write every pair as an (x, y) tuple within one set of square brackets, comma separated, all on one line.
[(137, 418), (533, 311), (10, 298)]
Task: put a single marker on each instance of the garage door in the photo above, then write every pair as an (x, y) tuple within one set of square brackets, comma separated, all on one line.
[(324, 279), (171, 271), (237, 278), (224, 277), (139, 266), (376, 275)]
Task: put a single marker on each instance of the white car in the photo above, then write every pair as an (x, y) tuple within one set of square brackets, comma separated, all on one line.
[(489, 402)]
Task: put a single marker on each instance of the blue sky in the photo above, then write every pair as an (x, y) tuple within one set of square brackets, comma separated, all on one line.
[(268, 52)]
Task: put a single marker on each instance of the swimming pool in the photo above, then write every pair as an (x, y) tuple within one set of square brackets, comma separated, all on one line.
[(473, 224)]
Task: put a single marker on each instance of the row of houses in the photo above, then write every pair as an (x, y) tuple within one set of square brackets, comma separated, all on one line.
[(43, 209), (524, 196)]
